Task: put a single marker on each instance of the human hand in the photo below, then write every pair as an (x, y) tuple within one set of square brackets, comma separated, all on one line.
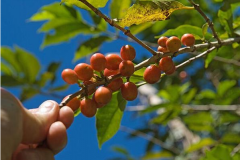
[(23, 130)]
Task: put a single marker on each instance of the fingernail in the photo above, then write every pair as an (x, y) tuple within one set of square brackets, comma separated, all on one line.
[(46, 107)]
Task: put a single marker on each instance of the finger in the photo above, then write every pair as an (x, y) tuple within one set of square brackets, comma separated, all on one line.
[(37, 122), (66, 116), (11, 123), (35, 154), (57, 137)]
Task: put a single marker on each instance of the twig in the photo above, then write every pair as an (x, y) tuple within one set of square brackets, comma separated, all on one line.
[(112, 23), (196, 57), (149, 138), (235, 150), (210, 107), (224, 60), (210, 23)]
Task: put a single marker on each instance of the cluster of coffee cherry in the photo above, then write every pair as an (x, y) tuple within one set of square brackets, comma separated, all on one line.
[(152, 74), (83, 74)]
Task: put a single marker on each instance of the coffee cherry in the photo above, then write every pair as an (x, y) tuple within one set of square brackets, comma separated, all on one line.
[(88, 107), (91, 90), (98, 105), (98, 62), (108, 72), (74, 103), (113, 61), (115, 85), (84, 71), (128, 53), (126, 68), (103, 95), (173, 44), (129, 91), (69, 76), (162, 41), (188, 39), (166, 64), (152, 74), (162, 49)]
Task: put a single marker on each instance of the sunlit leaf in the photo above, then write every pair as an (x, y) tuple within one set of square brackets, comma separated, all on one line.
[(119, 8), (157, 155), (89, 47), (220, 152), (95, 3), (147, 11), (224, 86), (120, 150), (108, 118), (29, 64), (199, 145)]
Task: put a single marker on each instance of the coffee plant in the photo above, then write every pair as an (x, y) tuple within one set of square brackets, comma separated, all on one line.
[(192, 112)]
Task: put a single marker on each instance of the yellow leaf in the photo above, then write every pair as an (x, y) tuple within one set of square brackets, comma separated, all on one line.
[(146, 11)]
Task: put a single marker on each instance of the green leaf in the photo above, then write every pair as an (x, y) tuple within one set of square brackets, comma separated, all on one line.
[(201, 127), (226, 18), (210, 57), (77, 112), (207, 93), (188, 97), (65, 32), (202, 143), (5, 69), (171, 112), (108, 118), (147, 11), (224, 86), (228, 117), (99, 22), (200, 118), (52, 68), (95, 3), (157, 155), (204, 30), (59, 88), (120, 150), (118, 8), (9, 57), (220, 152), (10, 81), (232, 138), (181, 30), (29, 64), (150, 109), (46, 76), (28, 93), (41, 16), (89, 47)]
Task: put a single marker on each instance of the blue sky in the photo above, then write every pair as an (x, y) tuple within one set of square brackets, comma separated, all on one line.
[(82, 144)]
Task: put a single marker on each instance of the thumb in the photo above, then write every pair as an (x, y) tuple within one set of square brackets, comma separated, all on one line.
[(37, 122)]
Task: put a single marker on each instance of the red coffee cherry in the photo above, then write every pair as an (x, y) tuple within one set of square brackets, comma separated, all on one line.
[(173, 44), (103, 95), (162, 41), (126, 68), (113, 61), (129, 91), (188, 39), (84, 71), (108, 72), (98, 62), (69, 76), (91, 90), (128, 53), (98, 105), (166, 65), (74, 103), (88, 107), (152, 74), (162, 49), (115, 85)]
